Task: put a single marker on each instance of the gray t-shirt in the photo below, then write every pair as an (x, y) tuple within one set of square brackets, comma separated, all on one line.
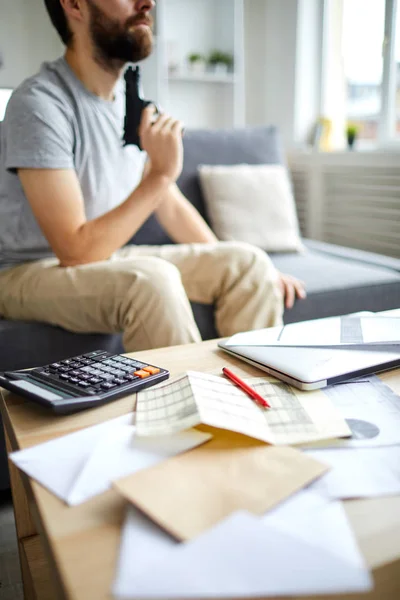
[(53, 122)]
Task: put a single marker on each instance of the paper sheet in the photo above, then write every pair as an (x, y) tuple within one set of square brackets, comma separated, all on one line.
[(81, 465), (295, 416), (372, 411), (190, 493), (304, 547), (360, 473), (330, 332)]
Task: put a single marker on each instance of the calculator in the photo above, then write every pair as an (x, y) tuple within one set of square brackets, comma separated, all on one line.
[(83, 381)]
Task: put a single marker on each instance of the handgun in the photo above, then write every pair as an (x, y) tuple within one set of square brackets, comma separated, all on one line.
[(134, 107)]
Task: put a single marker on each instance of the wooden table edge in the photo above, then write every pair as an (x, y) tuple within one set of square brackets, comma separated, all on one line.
[(32, 533)]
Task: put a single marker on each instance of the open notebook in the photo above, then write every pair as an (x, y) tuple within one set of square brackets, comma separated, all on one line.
[(201, 398)]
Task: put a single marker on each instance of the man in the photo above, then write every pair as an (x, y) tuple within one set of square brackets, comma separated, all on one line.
[(72, 197)]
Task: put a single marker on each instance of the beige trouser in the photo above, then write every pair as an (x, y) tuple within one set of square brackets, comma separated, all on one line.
[(144, 292)]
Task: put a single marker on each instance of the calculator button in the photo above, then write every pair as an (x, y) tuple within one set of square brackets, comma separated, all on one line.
[(142, 374), (64, 376), (75, 365), (96, 354), (84, 384), (95, 373), (123, 361), (63, 369), (134, 363), (56, 365), (119, 381), (94, 380), (106, 376), (73, 380), (107, 385), (130, 377), (86, 361), (117, 372), (151, 370), (74, 373)]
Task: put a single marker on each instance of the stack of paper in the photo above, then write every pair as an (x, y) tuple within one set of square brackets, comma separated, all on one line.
[(303, 547), (368, 463), (81, 465), (190, 493)]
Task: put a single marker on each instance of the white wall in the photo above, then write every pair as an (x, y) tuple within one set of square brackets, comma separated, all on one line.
[(27, 38), (309, 44), (283, 58), (271, 33), (255, 53)]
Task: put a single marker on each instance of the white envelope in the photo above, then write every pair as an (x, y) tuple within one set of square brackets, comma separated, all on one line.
[(359, 473), (303, 547), (81, 465)]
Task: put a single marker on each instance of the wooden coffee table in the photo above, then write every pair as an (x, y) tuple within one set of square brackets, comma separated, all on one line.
[(71, 552)]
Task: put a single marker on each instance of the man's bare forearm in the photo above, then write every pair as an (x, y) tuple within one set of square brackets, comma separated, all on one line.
[(181, 220), (99, 238)]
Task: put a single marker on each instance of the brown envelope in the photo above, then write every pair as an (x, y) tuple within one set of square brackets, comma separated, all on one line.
[(190, 493)]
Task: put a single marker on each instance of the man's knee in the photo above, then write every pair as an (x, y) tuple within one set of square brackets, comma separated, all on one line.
[(155, 310), (243, 257), (150, 275), (150, 282)]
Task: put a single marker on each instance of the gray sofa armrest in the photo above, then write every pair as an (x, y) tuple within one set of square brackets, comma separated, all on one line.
[(370, 258)]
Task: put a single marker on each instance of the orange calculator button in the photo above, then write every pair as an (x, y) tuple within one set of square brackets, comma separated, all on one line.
[(142, 374), (151, 370)]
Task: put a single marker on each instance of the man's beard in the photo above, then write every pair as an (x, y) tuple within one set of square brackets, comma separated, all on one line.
[(117, 43)]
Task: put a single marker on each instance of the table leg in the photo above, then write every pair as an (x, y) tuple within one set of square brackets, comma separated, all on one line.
[(23, 521)]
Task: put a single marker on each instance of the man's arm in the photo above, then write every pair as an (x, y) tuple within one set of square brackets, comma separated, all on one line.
[(55, 197), (181, 221)]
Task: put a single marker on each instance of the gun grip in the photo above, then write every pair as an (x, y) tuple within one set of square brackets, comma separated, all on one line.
[(134, 107)]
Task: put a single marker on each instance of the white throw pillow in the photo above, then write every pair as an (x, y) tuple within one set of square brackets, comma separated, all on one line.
[(252, 203)]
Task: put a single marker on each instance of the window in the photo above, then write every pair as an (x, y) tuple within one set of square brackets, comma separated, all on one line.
[(361, 78), (362, 37), (4, 98)]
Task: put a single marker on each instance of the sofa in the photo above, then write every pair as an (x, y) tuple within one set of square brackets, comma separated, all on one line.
[(338, 280)]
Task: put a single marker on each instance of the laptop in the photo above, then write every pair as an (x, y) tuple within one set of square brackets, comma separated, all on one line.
[(312, 365)]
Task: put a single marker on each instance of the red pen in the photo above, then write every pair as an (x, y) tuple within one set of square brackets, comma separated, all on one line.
[(246, 388)]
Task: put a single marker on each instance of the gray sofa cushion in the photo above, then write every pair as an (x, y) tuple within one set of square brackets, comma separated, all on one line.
[(27, 344), (339, 283)]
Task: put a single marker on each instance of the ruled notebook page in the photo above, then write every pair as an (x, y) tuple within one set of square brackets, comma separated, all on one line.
[(200, 398)]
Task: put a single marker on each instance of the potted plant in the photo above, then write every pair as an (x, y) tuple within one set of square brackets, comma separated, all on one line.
[(220, 62), (351, 134), (197, 62)]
